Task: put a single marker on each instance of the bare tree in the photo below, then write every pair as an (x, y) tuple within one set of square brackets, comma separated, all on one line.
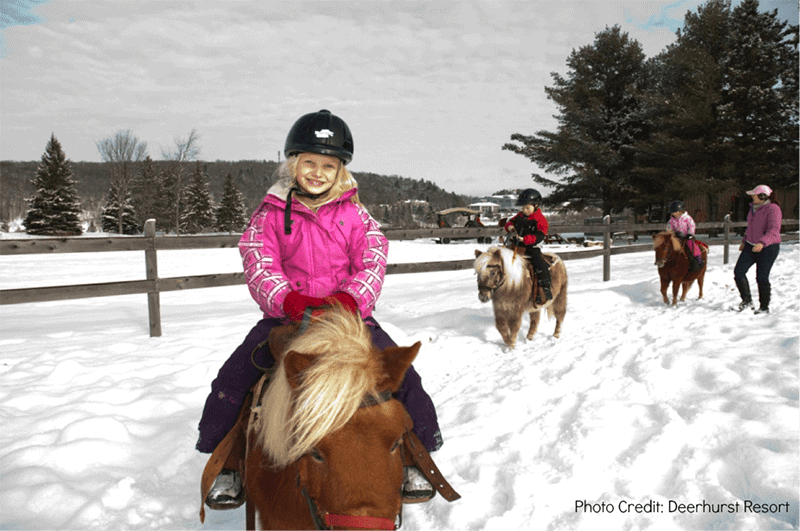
[(122, 150), (186, 149)]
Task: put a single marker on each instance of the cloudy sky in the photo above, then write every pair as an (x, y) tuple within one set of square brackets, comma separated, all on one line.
[(430, 90)]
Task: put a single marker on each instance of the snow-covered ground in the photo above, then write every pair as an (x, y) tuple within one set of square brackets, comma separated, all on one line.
[(635, 418)]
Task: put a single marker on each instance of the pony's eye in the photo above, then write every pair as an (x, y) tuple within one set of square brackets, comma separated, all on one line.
[(317, 456)]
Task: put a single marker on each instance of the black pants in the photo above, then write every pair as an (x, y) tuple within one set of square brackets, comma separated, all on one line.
[(539, 264), (763, 261)]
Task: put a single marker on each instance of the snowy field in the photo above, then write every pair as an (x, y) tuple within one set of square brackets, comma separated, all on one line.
[(641, 416)]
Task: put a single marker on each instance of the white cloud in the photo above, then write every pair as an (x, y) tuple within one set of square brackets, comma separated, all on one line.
[(430, 90)]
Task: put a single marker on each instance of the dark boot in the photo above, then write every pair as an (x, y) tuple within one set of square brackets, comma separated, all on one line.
[(764, 294), (744, 291), (547, 293), (544, 284), (694, 264)]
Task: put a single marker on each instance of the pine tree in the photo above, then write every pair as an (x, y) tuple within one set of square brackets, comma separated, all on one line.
[(198, 215), (118, 207), (682, 150), (599, 102), (230, 215), (721, 112), (760, 108), (171, 195), (55, 210), (151, 196)]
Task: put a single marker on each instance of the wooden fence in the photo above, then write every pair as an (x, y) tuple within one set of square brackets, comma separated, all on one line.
[(152, 285)]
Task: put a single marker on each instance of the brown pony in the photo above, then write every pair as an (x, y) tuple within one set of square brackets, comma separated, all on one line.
[(325, 435), (506, 278), (672, 261)]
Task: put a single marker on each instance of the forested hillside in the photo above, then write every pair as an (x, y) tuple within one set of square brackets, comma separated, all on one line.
[(252, 178)]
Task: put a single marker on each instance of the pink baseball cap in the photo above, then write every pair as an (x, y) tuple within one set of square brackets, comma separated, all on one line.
[(760, 189)]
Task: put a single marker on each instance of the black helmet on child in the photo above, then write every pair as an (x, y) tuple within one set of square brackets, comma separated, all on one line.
[(322, 133), (529, 196), (677, 206)]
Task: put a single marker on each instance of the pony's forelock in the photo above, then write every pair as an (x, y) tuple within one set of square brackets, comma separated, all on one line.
[(481, 261), (330, 392), (513, 264)]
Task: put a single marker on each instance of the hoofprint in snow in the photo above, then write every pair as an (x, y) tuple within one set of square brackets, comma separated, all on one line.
[(639, 416)]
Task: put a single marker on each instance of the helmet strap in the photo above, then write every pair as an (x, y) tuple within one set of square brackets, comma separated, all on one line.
[(287, 212)]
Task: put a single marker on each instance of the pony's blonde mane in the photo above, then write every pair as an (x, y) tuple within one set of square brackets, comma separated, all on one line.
[(293, 421), (513, 264)]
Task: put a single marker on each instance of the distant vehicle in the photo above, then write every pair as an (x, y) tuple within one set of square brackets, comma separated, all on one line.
[(473, 220)]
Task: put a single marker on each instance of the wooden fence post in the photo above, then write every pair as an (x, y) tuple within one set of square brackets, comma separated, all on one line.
[(726, 245), (606, 248), (151, 265)]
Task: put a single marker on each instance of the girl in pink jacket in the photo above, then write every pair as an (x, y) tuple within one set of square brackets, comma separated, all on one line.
[(310, 243), (682, 224)]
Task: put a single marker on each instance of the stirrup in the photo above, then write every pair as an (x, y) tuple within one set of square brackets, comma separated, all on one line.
[(227, 491), (416, 488)]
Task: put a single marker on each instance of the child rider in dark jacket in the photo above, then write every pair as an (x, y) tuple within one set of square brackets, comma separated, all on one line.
[(531, 228)]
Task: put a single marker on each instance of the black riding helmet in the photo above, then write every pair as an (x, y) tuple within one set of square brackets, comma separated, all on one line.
[(529, 196), (322, 133), (677, 206)]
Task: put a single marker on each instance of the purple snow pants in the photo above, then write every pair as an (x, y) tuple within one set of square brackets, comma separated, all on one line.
[(238, 374)]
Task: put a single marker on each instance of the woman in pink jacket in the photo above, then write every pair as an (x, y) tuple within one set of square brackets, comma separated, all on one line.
[(760, 246), (310, 243)]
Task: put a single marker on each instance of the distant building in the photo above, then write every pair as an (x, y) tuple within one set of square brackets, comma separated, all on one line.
[(505, 203), (486, 208)]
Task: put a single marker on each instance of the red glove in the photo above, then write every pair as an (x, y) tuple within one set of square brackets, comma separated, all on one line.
[(345, 300), (530, 239), (296, 303)]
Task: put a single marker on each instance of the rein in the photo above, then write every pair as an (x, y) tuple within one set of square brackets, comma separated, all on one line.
[(325, 520)]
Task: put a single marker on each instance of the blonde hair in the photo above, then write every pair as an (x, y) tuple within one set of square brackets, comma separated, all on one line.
[(287, 173), (344, 371)]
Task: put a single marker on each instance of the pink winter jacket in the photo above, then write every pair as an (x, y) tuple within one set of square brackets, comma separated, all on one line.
[(763, 224), (683, 225), (338, 248)]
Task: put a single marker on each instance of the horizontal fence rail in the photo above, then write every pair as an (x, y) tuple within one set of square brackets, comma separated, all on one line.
[(151, 244)]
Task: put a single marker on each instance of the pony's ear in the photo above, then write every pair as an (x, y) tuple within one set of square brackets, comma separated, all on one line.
[(478, 253), (295, 364), (279, 337), (396, 361)]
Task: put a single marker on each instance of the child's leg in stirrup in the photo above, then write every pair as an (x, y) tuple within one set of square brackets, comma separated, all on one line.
[(422, 412), (228, 392), (542, 271)]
